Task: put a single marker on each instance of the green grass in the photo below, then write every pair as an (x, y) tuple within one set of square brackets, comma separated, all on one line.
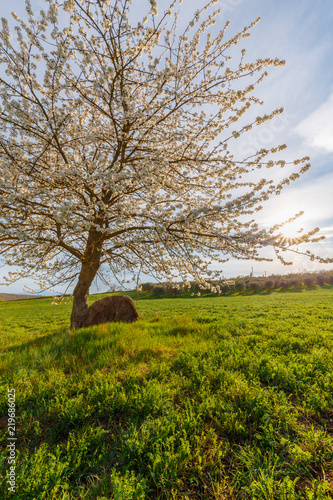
[(203, 398)]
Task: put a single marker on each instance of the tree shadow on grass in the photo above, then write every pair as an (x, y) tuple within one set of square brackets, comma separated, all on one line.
[(36, 342), (70, 336)]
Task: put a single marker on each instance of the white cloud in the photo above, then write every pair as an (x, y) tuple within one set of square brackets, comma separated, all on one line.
[(317, 128), (327, 230)]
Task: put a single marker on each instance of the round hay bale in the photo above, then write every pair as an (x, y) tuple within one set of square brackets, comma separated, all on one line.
[(111, 309)]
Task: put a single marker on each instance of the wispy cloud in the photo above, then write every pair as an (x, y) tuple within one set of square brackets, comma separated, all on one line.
[(313, 197), (317, 128)]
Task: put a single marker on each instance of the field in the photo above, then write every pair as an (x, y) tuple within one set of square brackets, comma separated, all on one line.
[(203, 398)]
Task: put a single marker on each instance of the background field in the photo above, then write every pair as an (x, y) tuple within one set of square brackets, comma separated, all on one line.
[(203, 398)]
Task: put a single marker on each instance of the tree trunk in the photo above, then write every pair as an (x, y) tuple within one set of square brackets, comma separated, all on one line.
[(90, 266)]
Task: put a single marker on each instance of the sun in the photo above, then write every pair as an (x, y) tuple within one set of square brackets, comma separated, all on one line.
[(292, 230), (292, 220)]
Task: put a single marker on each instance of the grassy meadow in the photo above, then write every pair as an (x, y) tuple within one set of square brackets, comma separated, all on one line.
[(203, 398)]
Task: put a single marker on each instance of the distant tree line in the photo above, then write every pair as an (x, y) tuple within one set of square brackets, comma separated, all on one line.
[(243, 284)]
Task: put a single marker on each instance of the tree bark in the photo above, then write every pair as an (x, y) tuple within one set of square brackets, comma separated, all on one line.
[(89, 268)]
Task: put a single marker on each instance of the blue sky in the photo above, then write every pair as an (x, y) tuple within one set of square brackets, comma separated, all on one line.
[(301, 33)]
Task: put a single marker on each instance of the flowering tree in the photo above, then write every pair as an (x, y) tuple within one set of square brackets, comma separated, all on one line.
[(114, 147)]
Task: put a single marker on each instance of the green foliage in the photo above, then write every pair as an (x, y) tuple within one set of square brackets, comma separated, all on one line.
[(290, 282), (309, 281), (254, 285), (173, 289), (321, 279), (219, 397), (127, 486), (269, 284), (296, 282), (225, 288), (159, 291), (240, 286), (147, 287)]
